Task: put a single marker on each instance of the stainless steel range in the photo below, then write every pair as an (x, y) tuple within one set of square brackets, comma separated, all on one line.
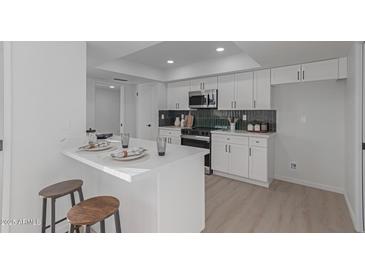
[(198, 137)]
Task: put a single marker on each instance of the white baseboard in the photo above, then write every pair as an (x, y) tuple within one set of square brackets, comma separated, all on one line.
[(310, 184), (357, 226)]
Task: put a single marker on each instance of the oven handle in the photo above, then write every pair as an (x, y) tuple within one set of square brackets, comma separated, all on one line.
[(195, 137)]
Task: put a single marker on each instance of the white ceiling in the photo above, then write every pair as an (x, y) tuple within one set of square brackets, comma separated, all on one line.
[(146, 61), (182, 52)]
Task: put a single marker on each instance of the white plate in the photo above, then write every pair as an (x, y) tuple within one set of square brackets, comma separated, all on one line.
[(129, 157), (98, 148)]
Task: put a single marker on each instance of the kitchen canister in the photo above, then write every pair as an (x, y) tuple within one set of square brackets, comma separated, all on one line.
[(257, 127), (250, 127)]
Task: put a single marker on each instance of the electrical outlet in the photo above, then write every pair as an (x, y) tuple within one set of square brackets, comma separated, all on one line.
[(293, 165), (163, 116), (244, 117)]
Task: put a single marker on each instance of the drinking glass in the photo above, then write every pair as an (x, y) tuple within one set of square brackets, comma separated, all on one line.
[(125, 140), (161, 145)]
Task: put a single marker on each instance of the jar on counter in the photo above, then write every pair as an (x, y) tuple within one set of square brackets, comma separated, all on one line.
[(250, 127), (91, 136), (264, 127), (257, 127)]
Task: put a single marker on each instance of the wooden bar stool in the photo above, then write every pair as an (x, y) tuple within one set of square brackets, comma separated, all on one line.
[(56, 191), (94, 210)]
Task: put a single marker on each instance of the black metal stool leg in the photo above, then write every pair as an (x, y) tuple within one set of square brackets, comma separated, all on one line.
[(53, 215), (87, 230), (102, 226), (81, 195), (118, 229), (72, 228), (44, 214), (72, 199)]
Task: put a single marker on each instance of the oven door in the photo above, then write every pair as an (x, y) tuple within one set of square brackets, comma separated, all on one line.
[(198, 100), (201, 144)]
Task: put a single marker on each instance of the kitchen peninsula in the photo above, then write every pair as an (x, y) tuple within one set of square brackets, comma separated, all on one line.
[(157, 194)]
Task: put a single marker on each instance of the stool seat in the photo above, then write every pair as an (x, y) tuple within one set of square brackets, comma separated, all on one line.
[(93, 210), (60, 189)]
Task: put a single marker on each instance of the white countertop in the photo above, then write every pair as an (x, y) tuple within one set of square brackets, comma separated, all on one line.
[(127, 170), (172, 128), (243, 133)]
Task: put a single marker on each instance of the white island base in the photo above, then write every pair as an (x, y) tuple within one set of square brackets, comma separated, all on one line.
[(157, 194)]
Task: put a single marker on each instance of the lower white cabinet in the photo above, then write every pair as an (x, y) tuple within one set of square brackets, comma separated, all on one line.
[(172, 136), (258, 163), (245, 158)]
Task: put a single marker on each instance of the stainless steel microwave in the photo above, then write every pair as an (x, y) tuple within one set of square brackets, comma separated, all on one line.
[(203, 99)]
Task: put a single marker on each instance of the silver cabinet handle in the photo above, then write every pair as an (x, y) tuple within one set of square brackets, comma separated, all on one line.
[(303, 75), (178, 105), (226, 148), (235, 104), (254, 103), (250, 153), (298, 75)]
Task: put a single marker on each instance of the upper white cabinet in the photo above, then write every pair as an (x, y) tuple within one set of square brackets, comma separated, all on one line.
[(283, 75), (248, 90), (323, 70), (204, 83), (178, 95), (226, 91), (243, 91), (315, 71), (262, 89)]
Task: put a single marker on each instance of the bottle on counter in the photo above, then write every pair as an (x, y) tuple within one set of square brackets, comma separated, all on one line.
[(177, 121), (257, 127)]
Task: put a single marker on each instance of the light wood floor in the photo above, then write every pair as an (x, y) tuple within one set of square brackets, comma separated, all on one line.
[(233, 206)]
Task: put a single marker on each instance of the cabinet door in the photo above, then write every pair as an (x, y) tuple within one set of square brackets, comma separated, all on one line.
[(262, 89), (342, 68), (210, 83), (323, 70), (178, 95), (220, 156), (238, 162), (243, 90), (196, 84), (258, 164), (288, 74), (225, 91)]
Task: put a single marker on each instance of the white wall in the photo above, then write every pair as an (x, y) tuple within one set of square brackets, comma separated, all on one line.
[(90, 103), (353, 112), (48, 87), (1, 118), (107, 110), (316, 144), (130, 109)]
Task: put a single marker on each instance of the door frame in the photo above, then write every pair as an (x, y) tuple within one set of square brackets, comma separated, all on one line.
[(7, 148)]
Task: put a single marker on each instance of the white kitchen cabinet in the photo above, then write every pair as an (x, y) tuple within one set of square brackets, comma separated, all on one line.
[(226, 91), (238, 162), (204, 83), (243, 91), (258, 163), (173, 136), (243, 157), (287, 74), (261, 89), (178, 95), (220, 157), (322, 70)]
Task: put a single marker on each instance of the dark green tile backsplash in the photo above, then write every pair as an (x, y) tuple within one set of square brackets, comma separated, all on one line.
[(213, 118)]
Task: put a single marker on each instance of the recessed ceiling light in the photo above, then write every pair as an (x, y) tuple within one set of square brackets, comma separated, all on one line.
[(170, 61), (219, 49), (112, 86)]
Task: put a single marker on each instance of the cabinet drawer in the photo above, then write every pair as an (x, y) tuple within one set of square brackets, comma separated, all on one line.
[(258, 142), (239, 140), (172, 133)]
